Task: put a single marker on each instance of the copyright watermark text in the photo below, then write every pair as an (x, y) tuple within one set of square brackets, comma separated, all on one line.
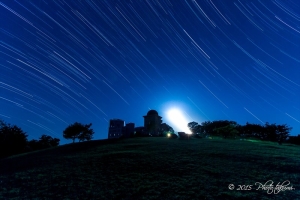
[(267, 186)]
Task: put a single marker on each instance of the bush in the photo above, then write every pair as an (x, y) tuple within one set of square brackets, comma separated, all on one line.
[(173, 136), (44, 142), (13, 140)]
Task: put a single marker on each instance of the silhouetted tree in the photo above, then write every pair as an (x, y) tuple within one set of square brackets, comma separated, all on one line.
[(254, 130), (195, 128), (78, 130), (282, 133), (54, 142), (166, 129), (13, 140), (47, 141), (73, 131), (207, 127), (228, 131), (270, 132), (240, 131), (86, 134), (223, 123), (226, 128)]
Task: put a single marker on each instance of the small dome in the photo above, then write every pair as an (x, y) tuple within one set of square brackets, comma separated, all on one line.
[(152, 112)]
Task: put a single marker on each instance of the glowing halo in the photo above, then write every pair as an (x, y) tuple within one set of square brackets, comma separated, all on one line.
[(178, 120)]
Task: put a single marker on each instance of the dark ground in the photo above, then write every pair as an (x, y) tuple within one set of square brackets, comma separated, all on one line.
[(152, 168)]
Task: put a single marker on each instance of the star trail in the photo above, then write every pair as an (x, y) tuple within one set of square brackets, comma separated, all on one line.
[(91, 61)]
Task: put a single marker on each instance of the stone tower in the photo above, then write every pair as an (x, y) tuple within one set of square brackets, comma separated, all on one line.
[(152, 122)]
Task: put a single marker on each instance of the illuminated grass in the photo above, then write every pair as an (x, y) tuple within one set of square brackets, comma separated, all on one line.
[(151, 168)]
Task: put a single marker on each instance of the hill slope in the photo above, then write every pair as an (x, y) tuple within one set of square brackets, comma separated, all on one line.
[(152, 168)]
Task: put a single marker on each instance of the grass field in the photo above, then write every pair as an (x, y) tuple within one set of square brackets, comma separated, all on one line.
[(152, 168)]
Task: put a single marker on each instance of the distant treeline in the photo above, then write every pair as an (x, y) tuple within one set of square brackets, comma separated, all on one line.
[(231, 129), (13, 140)]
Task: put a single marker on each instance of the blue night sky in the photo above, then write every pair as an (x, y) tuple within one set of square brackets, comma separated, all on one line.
[(91, 61)]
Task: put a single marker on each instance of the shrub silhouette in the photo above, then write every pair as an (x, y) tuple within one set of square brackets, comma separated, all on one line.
[(45, 141)]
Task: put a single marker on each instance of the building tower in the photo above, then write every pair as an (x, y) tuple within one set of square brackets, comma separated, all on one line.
[(128, 130), (152, 122), (115, 129)]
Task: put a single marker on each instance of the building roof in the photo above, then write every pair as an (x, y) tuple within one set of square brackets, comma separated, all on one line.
[(152, 112), (117, 120)]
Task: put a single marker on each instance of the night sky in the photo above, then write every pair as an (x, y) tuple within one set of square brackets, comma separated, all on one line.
[(90, 61)]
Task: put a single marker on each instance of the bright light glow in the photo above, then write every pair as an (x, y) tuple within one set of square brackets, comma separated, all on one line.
[(169, 135), (178, 120)]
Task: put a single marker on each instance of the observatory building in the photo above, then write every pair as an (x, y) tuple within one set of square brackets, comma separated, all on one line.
[(152, 122), (152, 126), (117, 129)]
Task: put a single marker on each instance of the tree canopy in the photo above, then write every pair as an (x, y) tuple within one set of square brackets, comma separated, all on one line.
[(78, 131), (13, 139), (166, 129), (230, 129), (195, 128), (45, 141)]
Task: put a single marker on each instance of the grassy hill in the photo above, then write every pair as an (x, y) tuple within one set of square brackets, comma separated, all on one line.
[(152, 168)]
